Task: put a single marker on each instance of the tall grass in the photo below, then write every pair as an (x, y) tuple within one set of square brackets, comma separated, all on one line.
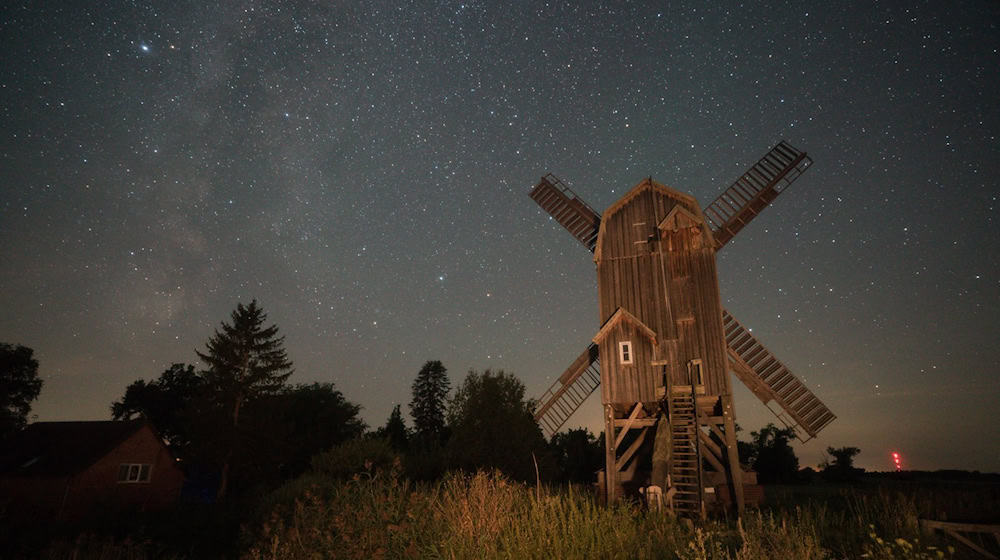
[(487, 516), (378, 514)]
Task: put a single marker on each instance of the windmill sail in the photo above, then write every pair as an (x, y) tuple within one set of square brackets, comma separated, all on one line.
[(566, 395), (569, 210), (771, 381), (754, 190)]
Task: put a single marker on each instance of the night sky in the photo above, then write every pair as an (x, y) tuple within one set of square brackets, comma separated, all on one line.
[(362, 170)]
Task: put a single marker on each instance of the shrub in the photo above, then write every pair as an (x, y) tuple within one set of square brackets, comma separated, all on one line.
[(365, 458)]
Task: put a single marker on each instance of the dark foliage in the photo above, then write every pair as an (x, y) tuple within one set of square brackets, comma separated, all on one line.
[(842, 468), (394, 431), (19, 387), (430, 391), (771, 456), (362, 458), (165, 402), (245, 361), (578, 455), (492, 426), (280, 433)]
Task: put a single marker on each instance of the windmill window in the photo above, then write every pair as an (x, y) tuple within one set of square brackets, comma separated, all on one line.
[(625, 352), (133, 472)]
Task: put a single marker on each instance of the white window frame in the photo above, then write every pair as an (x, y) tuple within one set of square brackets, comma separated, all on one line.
[(134, 473), (626, 352)]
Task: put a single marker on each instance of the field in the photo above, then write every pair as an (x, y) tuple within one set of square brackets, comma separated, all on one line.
[(487, 516)]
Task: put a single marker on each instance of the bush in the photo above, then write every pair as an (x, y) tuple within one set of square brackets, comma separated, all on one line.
[(357, 458)]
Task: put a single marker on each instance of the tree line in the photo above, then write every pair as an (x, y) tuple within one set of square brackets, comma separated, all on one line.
[(238, 425)]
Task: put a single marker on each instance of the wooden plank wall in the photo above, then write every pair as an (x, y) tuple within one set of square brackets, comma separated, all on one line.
[(630, 383), (634, 275)]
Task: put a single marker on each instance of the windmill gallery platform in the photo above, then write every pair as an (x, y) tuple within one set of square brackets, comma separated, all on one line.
[(664, 346)]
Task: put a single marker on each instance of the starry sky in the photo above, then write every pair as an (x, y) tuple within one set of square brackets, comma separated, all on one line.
[(362, 169)]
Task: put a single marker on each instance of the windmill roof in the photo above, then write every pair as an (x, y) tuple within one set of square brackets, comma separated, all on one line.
[(63, 448), (619, 316), (644, 185), (648, 183)]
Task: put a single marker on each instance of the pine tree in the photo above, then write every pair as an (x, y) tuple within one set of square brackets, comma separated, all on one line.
[(245, 360), (394, 430), (428, 405)]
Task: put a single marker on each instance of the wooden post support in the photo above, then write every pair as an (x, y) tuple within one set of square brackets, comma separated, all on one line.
[(610, 470), (735, 472)]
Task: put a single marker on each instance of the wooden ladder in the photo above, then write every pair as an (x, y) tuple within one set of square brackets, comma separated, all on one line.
[(685, 460)]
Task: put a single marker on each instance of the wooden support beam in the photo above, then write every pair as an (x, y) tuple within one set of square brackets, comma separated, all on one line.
[(713, 452), (708, 421), (628, 424), (630, 451), (610, 472), (735, 472), (637, 423)]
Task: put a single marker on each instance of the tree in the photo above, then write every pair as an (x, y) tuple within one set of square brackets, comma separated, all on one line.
[(281, 432), (394, 431), (771, 456), (430, 389), (245, 361), (166, 402), (842, 468), (578, 455), (19, 386), (493, 426)]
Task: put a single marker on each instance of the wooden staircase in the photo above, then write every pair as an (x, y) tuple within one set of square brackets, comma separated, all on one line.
[(771, 381), (754, 190), (568, 392), (685, 463)]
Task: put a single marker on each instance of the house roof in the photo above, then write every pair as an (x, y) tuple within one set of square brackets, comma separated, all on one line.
[(63, 448), (619, 316)]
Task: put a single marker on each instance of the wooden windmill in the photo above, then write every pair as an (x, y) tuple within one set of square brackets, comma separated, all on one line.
[(665, 345)]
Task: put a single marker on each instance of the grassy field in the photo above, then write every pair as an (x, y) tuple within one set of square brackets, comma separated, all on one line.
[(487, 516)]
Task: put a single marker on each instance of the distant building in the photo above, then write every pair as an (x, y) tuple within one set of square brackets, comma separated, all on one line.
[(68, 470)]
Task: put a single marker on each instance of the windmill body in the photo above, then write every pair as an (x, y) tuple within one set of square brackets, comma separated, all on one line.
[(655, 262), (665, 346)]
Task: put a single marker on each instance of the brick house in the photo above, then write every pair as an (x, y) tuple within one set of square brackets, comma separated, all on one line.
[(68, 470)]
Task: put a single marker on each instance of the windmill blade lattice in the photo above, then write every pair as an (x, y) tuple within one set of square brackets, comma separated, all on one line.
[(566, 395), (754, 190), (568, 209), (771, 381)]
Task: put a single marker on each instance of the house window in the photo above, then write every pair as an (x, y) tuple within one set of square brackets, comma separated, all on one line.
[(133, 472), (695, 370), (625, 352)]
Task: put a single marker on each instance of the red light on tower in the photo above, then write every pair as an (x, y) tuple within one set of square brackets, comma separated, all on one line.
[(897, 460)]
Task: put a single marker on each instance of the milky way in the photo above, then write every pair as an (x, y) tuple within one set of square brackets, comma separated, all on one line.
[(362, 171)]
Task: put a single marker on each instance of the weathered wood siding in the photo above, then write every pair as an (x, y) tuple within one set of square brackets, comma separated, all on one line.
[(635, 382), (666, 279)]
